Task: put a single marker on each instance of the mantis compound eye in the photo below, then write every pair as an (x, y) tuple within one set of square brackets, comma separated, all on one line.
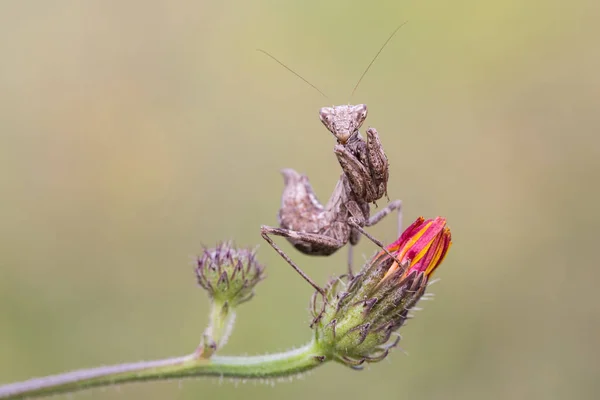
[(359, 114), (325, 114)]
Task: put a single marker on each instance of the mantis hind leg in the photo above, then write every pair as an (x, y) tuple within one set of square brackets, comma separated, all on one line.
[(321, 241)]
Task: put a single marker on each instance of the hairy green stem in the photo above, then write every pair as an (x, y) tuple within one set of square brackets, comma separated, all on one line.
[(283, 364), (222, 318)]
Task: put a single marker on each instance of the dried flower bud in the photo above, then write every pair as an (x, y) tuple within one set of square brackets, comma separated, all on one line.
[(355, 322), (229, 274)]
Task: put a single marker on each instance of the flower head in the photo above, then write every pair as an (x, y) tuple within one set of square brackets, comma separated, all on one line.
[(356, 320), (229, 274)]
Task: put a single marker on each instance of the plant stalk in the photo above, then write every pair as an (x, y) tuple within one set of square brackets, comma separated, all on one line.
[(288, 363), (222, 318)]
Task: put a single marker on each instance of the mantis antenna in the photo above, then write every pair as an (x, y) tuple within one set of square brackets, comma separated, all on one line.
[(377, 55), (292, 71)]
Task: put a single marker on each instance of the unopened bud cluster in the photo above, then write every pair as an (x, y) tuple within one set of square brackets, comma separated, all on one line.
[(229, 274)]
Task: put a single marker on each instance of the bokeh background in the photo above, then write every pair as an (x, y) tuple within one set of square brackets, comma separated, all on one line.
[(133, 132)]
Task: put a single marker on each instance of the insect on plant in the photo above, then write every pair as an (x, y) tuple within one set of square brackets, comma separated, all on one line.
[(316, 229)]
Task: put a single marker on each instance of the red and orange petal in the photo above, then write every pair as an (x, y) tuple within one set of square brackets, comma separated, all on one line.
[(404, 237), (407, 234), (425, 243), (434, 255)]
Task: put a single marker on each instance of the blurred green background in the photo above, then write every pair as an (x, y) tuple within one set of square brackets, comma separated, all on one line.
[(133, 132)]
